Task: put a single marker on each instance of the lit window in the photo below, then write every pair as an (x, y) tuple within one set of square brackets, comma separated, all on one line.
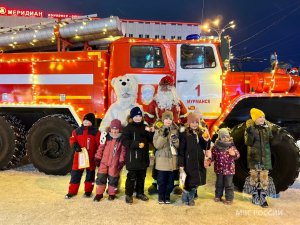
[(149, 57), (197, 57)]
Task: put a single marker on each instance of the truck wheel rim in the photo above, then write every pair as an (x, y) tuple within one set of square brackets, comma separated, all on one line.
[(53, 146)]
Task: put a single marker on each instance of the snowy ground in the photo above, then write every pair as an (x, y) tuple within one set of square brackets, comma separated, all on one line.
[(30, 197)]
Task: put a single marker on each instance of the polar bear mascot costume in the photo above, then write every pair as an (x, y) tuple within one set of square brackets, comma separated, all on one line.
[(126, 88)]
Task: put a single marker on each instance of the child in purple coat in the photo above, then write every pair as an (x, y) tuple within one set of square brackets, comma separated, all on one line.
[(223, 155)]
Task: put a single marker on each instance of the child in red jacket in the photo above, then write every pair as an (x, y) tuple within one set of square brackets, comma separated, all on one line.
[(87, 136), (110, 158)]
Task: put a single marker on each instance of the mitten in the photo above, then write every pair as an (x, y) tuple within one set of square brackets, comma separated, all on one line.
[(120, 166), (207, 162), (231, 152), (205, 134), (97, 162), (166, 132), (76, 147), (103, 137), (173, 138), (150, 129)]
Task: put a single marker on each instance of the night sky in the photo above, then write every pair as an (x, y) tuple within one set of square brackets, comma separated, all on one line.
[(263, 26)]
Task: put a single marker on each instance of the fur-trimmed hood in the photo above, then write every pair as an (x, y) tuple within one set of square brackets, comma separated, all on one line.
[(110, 136), (189, 131), (251, 123)]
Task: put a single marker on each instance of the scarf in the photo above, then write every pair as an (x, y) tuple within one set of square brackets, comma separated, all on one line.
[(222, 145)]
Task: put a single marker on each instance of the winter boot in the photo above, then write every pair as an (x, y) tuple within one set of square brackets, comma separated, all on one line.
[(216, 199), (168, 200), (98, 198), (227, 202), (142, 197), (256, 197), (128, 199), (68, 196), (111, 197), (185, 197), (191, 202), (153, 189), (263, 201), (87, 194), (191, 197), (161, 199), (177, 190), (196, 195), (264, 204)]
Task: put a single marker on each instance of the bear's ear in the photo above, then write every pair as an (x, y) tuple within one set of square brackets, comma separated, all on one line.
[(113, 81), (134, 79)]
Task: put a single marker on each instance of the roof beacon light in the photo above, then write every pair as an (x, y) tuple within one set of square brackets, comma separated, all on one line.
[(193, 37)]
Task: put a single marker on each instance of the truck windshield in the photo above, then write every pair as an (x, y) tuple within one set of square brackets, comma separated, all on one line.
[(197, 57), (146, 57)]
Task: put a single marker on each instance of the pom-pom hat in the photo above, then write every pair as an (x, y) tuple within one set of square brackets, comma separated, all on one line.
[(193, 117), (135, 112), (90, 117), (223, 132), (256, 113), (115, 124)]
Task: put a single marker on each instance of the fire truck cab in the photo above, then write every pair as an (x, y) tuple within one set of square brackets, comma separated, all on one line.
[(195, 65)]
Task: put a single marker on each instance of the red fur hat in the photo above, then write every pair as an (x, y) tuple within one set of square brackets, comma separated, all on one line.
[(167, 80)]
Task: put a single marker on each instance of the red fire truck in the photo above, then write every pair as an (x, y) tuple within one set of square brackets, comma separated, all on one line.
[(44, 95)]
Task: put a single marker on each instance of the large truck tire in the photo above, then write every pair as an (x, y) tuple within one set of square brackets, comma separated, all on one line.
[(285, 158), (12, 141), (48, 144)]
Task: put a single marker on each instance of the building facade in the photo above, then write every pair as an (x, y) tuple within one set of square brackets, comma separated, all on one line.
[(159, 29), (130, 28)]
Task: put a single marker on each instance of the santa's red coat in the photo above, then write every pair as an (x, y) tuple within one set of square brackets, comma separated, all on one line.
[(153, 111)]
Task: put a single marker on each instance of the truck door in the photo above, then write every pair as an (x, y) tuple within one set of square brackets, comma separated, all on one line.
[(198, 78)]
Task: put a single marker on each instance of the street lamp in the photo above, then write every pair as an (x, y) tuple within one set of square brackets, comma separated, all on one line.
[(216, 28)]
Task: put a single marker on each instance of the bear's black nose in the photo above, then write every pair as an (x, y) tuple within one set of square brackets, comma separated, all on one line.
[(123, 83)]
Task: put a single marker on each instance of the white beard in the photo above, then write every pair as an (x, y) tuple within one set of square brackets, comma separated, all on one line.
[(166, 99)]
